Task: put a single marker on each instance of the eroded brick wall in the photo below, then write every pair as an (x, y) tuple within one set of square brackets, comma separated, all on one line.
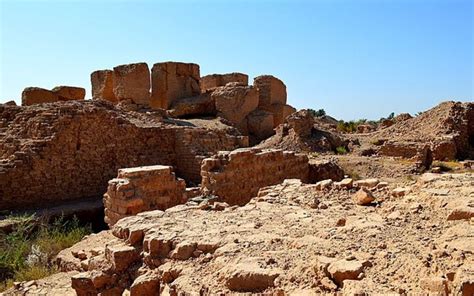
[(142, 189), (70, 150), (237, 176)]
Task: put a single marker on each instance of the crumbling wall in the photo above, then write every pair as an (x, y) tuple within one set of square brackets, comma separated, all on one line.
[(103, 85), (215, 80), (140, 189), (37, 95), (236, 176), (70, 150)]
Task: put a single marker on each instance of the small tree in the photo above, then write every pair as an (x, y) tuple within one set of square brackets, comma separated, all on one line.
[(319, 113)]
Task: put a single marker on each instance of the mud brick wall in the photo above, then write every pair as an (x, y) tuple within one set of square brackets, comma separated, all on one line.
[(237, 176), (193, 146), (142, 189), (70, 150)]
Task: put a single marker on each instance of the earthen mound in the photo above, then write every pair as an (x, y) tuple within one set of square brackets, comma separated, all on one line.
[(448, 130), (300, 132)]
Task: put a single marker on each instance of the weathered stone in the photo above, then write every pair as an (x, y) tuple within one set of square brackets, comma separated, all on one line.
[(121, 256), (345, 270), (324, 184), (142, 189), (216, 80), (103, 85), (363, 197), (465, 212), (235, 102), (132, 82), (145, 285), (249, 277), (172, 81), (271, 91), (201, 105), (280, 112), (436, 285), (237, 176), (399, 191), (260, 125), (323, 170), (367, 183), (183, 250), (68, 93), (36, 95), (344, 184)]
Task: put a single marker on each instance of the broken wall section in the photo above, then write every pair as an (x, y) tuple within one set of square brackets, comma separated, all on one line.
[(142, 189), (236, 176)]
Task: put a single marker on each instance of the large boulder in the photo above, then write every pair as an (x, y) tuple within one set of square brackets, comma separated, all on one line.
[(37, 95), (69, 93), (216, 80), (172, 81), (132, 82), (271, 91), (103, 85), (234, 102)]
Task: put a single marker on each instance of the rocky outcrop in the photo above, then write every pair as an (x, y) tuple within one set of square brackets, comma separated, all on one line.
[(198, 106), (132, 82), (69, 93), (37, 95), (216, 80), (448, 129), (172, 81), (236, 176), (234, 102), (141, 189), (299, 133), (103, 85), (69, 150)]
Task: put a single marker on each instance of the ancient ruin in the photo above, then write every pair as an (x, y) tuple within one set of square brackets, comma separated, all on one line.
[(310, 208)]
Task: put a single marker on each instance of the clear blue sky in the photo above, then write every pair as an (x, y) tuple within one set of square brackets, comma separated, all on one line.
[(356, 59)]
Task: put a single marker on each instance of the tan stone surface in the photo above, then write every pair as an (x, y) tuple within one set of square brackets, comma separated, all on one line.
[(132, 82), (172, 81), (140, 189), (287, 240), (280, 112), (260, 125), (103, 85), (235, 102), (68, 93), (215, 80), (271, 91), (236, 176), (70, 150), (37, 95)]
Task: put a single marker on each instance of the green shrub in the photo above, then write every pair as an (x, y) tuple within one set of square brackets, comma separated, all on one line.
[(341, 150), (28, 250)]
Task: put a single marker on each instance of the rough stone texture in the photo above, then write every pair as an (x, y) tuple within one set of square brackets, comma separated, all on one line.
[(215, 80), (132, 82), (260, 125), (235, 102), (271, 91), (235, 177), (286, 241), (323, 170), (418, 152), (198, 106), (68, 93), (172, 81), (299, 133), (103, 85), (70, 150), (363, 197), (448, 129), (37, 95), (140, 189), (280, 112)]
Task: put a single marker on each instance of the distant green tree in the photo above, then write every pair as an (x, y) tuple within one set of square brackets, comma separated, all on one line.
[(319, 113), (391, 116)]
